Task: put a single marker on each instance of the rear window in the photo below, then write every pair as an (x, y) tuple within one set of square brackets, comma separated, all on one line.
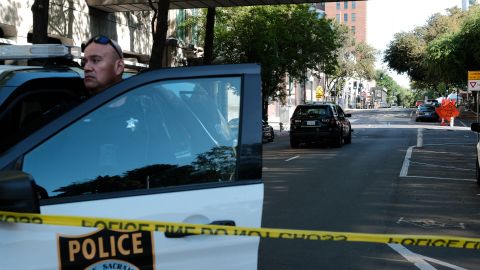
[(427, 108), (313, 111)]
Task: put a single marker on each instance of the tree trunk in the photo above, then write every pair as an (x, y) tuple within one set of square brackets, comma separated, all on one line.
[(160, 36), (40, 21), (209, 27)]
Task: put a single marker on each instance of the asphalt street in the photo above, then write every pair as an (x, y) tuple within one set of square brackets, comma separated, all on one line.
[(397, 176)]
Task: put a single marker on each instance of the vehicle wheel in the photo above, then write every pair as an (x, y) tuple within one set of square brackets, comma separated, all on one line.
[(478, 173), (294, 143), (271, 137), (348, 139), (339, 141)]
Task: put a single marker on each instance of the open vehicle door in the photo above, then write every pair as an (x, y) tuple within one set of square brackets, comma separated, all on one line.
[(156, 146)]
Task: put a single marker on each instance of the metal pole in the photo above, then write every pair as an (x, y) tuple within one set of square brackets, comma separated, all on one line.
[(478, 135)]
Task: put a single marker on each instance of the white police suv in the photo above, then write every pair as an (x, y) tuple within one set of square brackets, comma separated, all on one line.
[(156, 147)]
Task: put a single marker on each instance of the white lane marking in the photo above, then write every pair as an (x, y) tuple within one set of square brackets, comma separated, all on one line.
[(439, 178), (406, 162), (412, 257), (292, 158), (440, 166), (420, 261), (404, 126), (408, 156), (461, 122)]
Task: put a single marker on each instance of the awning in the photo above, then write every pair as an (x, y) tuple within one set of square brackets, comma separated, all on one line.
[(142, 5)]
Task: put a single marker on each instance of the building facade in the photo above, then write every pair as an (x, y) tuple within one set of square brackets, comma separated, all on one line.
[(356, 92), (350, 13), (73, 22)]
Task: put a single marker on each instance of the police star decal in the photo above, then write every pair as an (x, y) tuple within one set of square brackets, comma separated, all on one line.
[(132, 124)]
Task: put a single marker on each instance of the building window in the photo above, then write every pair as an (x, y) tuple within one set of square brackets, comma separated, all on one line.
[(345, 17), (354, 17), (345, 4), (338, 17), (354, 5), (353, 29), (338, 5)]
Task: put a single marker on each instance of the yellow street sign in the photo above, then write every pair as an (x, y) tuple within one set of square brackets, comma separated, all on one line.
[(319, 92), (473, 75)]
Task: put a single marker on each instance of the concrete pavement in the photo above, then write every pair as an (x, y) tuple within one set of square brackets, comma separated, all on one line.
[(449, 155)]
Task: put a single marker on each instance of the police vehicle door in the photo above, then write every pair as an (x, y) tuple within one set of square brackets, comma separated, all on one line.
[(156, 146)]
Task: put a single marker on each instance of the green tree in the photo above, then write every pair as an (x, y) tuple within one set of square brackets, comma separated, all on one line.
[(344, 66), (437, 55), (353, 60), (406, 54), (287, 39), (364, 68), (365, 61), (395, 93)]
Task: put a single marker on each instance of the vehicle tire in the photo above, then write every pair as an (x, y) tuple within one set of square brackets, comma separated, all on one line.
[(478, 173), (271, 137), (348, 139), (339, 141), (294, 143)]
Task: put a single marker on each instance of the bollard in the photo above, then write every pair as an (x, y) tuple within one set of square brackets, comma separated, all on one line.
[(420, 137), (451, 121), (281, 126)]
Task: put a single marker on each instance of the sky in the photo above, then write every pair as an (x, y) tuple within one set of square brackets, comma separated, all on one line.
[(387, 17)]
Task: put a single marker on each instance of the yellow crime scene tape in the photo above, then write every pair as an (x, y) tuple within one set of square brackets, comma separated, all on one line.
[(196, 229)]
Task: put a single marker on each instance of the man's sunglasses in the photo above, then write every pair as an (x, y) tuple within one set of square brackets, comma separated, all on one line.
[(105, 40)]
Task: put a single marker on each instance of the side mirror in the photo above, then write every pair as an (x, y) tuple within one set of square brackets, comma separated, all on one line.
[(18, 192), (475, 127)]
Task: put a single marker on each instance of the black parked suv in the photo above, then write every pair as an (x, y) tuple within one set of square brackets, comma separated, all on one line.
[(318, 123)]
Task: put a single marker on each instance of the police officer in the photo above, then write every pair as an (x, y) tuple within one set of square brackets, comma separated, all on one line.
[(103, 64)]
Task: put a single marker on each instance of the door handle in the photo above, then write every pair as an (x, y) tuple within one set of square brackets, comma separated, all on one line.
[(216, 222)]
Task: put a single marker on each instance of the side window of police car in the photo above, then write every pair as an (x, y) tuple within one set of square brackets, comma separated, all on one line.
[(165, 134)]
